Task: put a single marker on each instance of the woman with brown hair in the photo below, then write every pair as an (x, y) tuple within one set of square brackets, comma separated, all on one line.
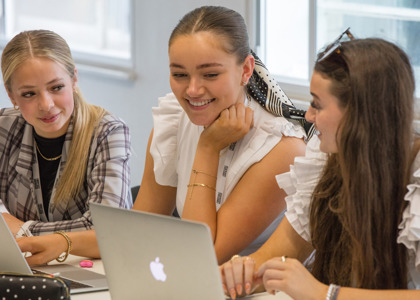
[(349, 204)]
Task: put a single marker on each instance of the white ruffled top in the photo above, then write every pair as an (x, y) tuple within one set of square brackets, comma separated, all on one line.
[(175, 141), (300, 182)]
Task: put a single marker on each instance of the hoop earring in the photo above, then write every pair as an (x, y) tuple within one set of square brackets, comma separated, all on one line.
[(15, 107)]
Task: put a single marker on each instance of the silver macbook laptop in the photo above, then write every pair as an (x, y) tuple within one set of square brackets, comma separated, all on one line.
[(12, 260), (156, 257)]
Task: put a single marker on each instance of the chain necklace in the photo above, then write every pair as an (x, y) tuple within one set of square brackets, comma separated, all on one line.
[(46, 158)]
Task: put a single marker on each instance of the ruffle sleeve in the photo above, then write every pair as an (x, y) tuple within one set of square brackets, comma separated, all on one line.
[(163, 148), (409, 234), (299, 184)]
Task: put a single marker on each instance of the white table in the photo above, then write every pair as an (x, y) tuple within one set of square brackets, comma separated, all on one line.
[(104, 295)]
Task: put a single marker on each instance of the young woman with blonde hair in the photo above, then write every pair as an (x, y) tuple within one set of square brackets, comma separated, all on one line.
[(59, 153)]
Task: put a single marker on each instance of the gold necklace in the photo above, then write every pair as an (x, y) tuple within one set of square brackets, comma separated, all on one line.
[(46, 158)]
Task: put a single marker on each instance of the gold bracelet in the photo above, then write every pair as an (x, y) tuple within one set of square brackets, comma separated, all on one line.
[(63, 257), (201, 184), (196, 172)]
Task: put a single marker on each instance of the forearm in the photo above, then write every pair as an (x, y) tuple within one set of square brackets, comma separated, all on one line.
[(285, 241), (200, 199), (84, 243)]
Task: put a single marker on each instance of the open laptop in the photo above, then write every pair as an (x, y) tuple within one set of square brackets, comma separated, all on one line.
[(12, 260), (156, 257)]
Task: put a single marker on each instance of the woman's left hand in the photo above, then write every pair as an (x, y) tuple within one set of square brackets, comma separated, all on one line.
[(291, 277), (13, 223)]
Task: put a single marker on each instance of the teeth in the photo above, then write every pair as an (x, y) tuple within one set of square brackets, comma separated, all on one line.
[(196, 104)]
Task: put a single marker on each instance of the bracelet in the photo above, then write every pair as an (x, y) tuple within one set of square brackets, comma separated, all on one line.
[(201, 184), (332, 292), (64, 256), (196, 172)]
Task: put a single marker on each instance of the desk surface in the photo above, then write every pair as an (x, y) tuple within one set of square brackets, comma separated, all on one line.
[(104, 295)]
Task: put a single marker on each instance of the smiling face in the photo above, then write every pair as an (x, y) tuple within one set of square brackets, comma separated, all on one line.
[(324, 112), (43, 90), (204, 77)]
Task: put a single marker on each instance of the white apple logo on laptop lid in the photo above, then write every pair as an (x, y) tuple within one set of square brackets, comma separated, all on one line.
[(156, 267)]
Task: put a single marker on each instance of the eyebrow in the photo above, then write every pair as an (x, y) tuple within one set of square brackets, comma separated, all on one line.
[(203, 66), (31, 86)]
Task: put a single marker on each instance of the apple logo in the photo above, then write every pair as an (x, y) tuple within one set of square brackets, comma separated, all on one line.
[(156, 267)]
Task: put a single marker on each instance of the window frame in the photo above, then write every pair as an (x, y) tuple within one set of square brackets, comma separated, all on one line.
[(94, 63), (297, 90)]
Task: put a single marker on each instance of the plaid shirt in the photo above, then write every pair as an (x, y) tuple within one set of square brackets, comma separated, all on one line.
[(107, 178)]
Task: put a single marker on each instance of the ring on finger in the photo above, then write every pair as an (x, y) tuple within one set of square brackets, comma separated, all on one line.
[(283, 258), (235, 257)]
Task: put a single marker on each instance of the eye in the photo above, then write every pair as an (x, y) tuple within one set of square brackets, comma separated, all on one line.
[(315, 105), (211, 75), (27, 94), (179, 75), (58, 87)]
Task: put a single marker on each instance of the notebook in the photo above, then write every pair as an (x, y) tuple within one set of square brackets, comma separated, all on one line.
[(12, 260), (156, 257)]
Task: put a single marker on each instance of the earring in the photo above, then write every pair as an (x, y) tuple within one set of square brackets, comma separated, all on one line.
[(244, 83), (15, 107)]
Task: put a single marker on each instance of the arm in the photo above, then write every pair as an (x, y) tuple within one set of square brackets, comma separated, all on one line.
[(291, 277), (255, 201), (107, 180), (238, 274), (46, 248), (153, 197)]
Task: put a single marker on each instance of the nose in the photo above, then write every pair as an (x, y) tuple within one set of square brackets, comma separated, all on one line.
[(310, 115), (45, 102), (194, 87)]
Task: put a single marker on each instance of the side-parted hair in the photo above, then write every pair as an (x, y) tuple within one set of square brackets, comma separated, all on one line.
[(221, 21), (47, 44), (358, 203)]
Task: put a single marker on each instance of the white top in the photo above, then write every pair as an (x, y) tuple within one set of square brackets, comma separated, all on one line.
[(175, 141), (300, 182)]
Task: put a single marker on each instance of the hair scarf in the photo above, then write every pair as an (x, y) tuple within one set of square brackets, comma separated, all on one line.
[(263, 87)]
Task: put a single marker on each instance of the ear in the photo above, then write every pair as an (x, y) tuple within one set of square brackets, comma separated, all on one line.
[(10, 95), (248, 68)]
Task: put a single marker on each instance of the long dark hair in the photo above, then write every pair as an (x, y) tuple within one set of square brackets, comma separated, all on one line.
[(358, 203)]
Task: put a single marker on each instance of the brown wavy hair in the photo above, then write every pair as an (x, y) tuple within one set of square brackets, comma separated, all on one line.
[(358, 202)]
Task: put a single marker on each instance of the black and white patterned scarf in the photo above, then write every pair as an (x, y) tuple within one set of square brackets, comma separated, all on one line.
[(264, 88)]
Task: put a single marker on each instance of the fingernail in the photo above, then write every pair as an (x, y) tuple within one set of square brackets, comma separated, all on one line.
[(239, 289), (247, 288), (232, 293), (224, 288)]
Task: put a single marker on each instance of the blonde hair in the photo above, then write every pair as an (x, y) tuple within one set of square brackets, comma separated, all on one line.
[(47, 44)]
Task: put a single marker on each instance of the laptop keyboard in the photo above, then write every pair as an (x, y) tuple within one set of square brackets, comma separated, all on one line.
[(73, 284)]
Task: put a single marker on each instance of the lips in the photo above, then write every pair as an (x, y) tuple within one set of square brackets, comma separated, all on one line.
[(50, 118), (200, 103)]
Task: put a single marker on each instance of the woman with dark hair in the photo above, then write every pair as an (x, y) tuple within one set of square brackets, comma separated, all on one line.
[(214, 149), (349, 204)]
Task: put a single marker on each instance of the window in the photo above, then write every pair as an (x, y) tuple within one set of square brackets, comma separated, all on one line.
[(294, 31), (98, 31)]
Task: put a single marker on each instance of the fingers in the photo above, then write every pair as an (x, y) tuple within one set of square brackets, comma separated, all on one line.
[(237, 276)]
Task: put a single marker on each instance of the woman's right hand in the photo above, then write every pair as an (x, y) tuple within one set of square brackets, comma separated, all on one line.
[(233, 123), (238, 276), (44, 248)]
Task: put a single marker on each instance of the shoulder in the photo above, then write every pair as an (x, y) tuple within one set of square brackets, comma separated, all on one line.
[(109, 122), (11, 119)]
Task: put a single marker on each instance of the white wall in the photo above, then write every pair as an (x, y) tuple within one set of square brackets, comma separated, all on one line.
[(132, 100)]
